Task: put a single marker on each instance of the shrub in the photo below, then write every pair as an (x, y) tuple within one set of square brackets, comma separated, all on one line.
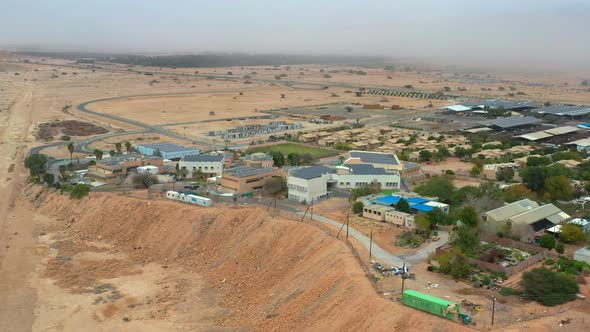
[(548, 287), (572, 233), (79, 191), (549, 261), (357, 207), (48, 178), (547, 241), (560, 248), (507, 291)]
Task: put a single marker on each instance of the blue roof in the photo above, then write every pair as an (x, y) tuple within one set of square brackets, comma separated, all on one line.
[(422, 207), (387, 200), (417, 200), (584, 125)]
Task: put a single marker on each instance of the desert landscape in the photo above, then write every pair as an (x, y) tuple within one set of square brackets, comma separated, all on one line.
[(295, 168)]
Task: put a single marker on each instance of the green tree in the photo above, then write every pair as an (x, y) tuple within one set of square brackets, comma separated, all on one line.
[(475, 171), (466, 239), (505, 174), (454, 263), (538, 161), (62, 171), (369, 189), (118, 147), (438, 186), (357, 207), (112, 153), (547, 241), (71, 150), (423, 225), (142, 180), (128, 147), (278, 158), (571, 233), (438, 217), (293, 159), (403, 206), (558, 188), (36, 164), (197, 174), (98, 154), (516, 193), (80, 190), (468, 216), (548, 287), (48, 178), (560, 248), (425, 155), (276, 187)]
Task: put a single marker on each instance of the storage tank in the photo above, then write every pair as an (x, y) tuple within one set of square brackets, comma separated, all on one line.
[(434, 305)]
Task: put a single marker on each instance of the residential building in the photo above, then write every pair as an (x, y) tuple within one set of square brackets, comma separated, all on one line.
[(307, 184), (244, 179), (112, 170), (375, 212), (167, 150), (399, 218), (210, 165), (259, 160)]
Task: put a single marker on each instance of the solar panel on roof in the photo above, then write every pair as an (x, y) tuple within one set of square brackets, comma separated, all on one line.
[(512, 121)]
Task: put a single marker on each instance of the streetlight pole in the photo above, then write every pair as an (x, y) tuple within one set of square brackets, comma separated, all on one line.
[(493, 309)]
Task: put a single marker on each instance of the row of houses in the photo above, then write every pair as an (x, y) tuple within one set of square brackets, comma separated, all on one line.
[(255, 129)]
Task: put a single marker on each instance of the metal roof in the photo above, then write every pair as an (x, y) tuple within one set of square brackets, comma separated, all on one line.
[(422, 207), (312, 172), (417, 200), (375, 157), (387, 200), (168, 147), (203, 158), (363, 169), (243, 171), (513, 121), (564, 110), (581, 142), (497, 103), (536, 214), (561, 130), (535, 136), (457, 108), (512, 209)]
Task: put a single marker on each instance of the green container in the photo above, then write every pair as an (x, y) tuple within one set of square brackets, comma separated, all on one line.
[(433, 305)]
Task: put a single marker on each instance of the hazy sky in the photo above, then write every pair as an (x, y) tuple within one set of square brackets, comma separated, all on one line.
[(530, 31)]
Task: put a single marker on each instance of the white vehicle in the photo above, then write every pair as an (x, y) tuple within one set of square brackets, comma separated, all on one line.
[(192, 199), (172, 195)]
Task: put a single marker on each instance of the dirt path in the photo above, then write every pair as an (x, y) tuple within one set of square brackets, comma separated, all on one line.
[(17, 245)]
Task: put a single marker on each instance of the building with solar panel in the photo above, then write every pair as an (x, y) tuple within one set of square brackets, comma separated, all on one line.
[(511, 123)]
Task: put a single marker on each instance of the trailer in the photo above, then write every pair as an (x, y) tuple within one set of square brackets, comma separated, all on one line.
[(434, 305), (198, 200), (172, 195)]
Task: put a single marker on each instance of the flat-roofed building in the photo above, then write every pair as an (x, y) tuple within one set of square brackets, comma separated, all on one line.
[(244, 179), (307, 184), (112, 170), (376, 212), (210, 165), (167, 150), (399, 218), (258, 159)]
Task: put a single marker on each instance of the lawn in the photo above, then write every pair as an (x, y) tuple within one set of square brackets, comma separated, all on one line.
[(287, 148)]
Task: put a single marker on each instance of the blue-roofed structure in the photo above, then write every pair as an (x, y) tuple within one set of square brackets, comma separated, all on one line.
[(422, 207), (417, 200), (387, 200)]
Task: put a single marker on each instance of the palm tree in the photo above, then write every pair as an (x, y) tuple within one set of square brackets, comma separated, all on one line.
[(118, 147), (112, 153), (71, 149), (128, 146)]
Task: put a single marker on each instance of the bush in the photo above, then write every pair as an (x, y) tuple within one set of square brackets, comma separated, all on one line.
[(79, 191), (357, 207), (547, 241), (548, 287), (572, 233), (560, 248), (36, 164), (432, 268), (507, 291), (549, 261), (48, 178), (449, 172)]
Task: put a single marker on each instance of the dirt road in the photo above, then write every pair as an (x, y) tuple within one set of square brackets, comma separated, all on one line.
[(17, 245)]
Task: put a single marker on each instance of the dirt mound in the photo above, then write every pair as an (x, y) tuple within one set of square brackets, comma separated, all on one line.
[(47, 131), (273, 274)]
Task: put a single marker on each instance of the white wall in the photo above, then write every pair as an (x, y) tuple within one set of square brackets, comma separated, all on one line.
[(351, 181), (213, 167), (303, 190)]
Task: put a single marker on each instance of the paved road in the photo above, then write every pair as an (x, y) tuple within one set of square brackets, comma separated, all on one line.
[(379, 253)]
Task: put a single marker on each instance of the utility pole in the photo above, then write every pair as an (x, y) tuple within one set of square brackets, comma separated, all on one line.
[(341, 227), (347, 221), (311, 212), (493, 309), (371, 242)]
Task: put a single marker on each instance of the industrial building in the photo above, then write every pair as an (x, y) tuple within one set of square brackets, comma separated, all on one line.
[(548, 133), (484, 105), (510, 123), (571, 111), (210, 165), (167, 150), (258, 159), (246, 180)]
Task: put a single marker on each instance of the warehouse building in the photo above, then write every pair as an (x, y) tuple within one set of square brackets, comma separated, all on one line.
[(167, 150)]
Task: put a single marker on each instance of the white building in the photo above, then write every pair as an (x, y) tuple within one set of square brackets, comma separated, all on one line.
[(309, 183), (387, 161), (357, 175), (210, 165)]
